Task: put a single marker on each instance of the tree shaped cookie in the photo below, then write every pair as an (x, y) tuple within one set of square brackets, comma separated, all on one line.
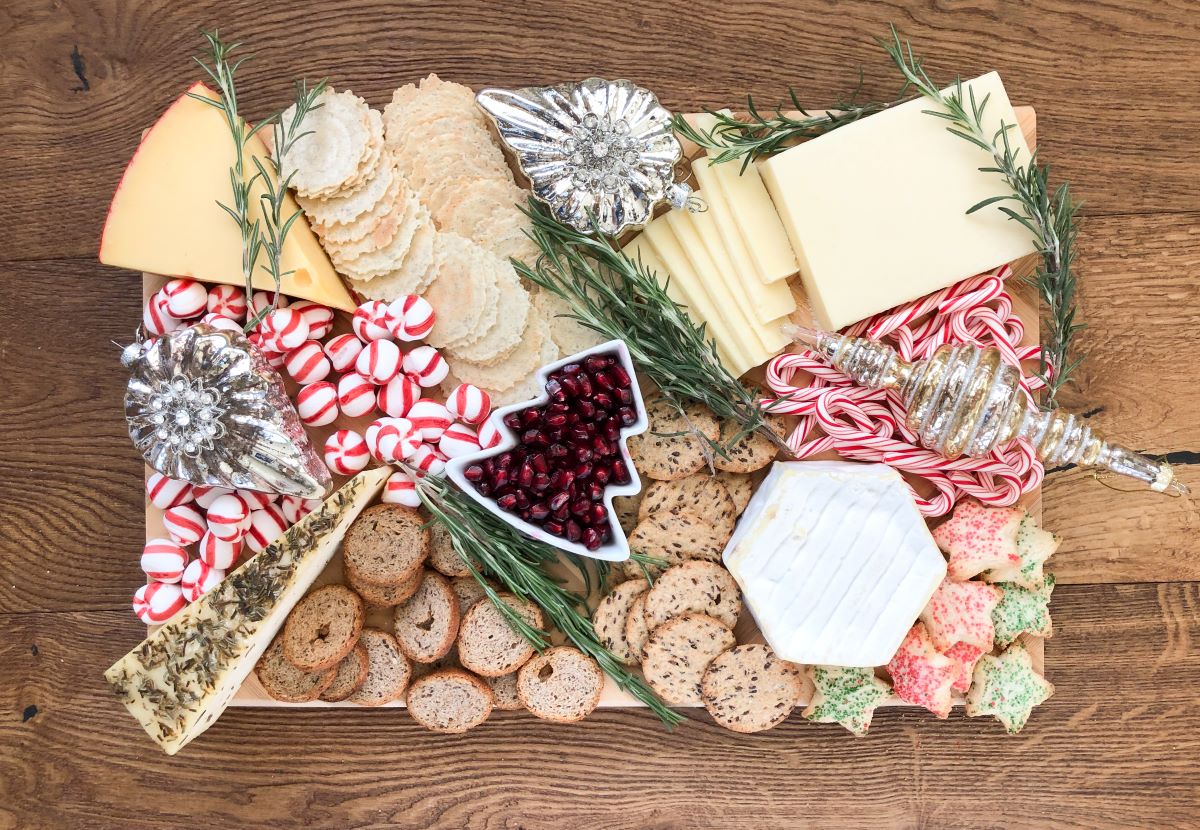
[(847, 696), (1007, 687), (1021, 611), (979, 538), (922, 676)]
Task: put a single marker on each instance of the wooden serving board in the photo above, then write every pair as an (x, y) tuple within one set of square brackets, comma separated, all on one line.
[(252, 692)]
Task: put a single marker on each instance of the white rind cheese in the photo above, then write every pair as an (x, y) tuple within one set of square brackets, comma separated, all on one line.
[(877, 210), (835, 562), (180, 679)]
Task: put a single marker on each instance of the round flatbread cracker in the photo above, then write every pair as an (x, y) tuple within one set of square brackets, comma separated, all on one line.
[(678, 653), (752, 451), (380, 236), (329, 156), (463, 291), (694, 587), (699, 493), (610, 616), (365, 223), (512, 314), (674, 446), (749, 689), (367, 266), (519, 366), (348, 206), (677, 537), (570, 336)]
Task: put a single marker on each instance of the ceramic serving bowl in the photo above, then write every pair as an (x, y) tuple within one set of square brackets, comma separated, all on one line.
[(617, 548)]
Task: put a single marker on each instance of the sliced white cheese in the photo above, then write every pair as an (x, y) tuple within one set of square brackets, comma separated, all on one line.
[(753, 213), (835, 562), (179, 680), (877, 210)]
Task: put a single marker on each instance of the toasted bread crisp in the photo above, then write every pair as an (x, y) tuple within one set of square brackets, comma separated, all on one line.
[(488, 645), (351, 673), (386, 544), (388, 671), (283, 681), (562, 684), (450, 700), (323, 628), (427, 622)]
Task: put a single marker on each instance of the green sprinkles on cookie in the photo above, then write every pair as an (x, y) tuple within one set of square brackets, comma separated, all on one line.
[(1021, 611), (1008, 688), (846, 695)]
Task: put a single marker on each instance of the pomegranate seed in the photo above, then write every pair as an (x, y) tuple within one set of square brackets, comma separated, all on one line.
[(539, 512), (600, 447), (572, 368), (533, 437), (558, 409), (484, 488), (595, 490), (507, 502), (619, 376), (504, 460), (555, 390), (559, 499), (591, 538), (541, 482), (605, 532), (500, 479), (625, 396), (596, 363), (587, 410), (568, 479), (602, 475), (525, 476), (620, 474), (555, 527), (539, 463), (583, 471), (522, 500), (580, 434), (530, 417), (574, 531), (563, 513), (580, 507), (473, 473), (585, 386), (512, 420), (604, 381), (603, 400), (489, 467), (559, 419), (599, 514), (612, 430), (557, 451), (627, 415), (583, 454)]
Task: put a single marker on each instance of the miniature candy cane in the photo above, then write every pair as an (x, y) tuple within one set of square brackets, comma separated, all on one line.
[(164, 560), (157, 602), (346, 452)]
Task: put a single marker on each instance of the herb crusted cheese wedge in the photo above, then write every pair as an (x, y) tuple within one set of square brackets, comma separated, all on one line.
[(179, 680)]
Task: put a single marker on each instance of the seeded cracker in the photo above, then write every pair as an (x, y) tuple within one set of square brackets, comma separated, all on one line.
[(636, 630), (699, 493), (677, 537), (749, 689), (611, 614), (740, 487), (330, 156), (677, 654), (670, 448), (694, 587)]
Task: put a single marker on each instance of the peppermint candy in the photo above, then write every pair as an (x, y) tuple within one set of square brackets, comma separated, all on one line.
[(229, 517), (228, 301), (317, 404), (318, 317), (199, 579), (373, 320), (469, 403), (343, 351), (262, 300), (431, 418), (266, 526), (295, 508), (307, 362), (219, 553), (429, 460), (427, 365), (205, 496), (256, 499), (164, 560), (157, 602), (458, 440), (356, 395), (414, 317), (392, 439), (166, 492), (184, 524), (185, 299), (398, 395), (283, 330), (400, 489), (489, 435), (379, 362), (220, 322), (156, 320), (346, 452)]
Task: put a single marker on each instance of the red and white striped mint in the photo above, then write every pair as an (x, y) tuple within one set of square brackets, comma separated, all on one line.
[(199, 579), (185, 298), (379, 361), (205, 496), (458, 439), (228, 301), (342, 351), (228, 517), (260, 300), (256, 499), (155, 318), (428, 459), (157, 602), (414, 317), (356, 395), (164, 560), (295, 508), (219, 553), (317, 403), (400, 489), (220, 322), (489, 435), (307, 362), (392, 439), (283, 330), (469, 403), (318, 317), (166, 492), (373, 320), (431, 418), (266, 526), (184, 524), (346, 452), (398, 395), (266, 349), (427, 365)]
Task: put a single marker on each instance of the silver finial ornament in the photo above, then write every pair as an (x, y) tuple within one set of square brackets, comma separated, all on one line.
[(204, 406), (597, 148)]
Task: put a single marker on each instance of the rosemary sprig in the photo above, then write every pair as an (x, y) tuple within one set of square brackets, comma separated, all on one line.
[(490, 546), (1049, 214), (620, 298), (267, 233), (763, 135)]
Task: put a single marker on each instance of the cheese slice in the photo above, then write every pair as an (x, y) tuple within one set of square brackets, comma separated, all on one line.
[(745, 329), (835, 562), (768, 334), (772, 300), (877, 210), (165, 218), (753, 213), (163, 682), (693, 293)]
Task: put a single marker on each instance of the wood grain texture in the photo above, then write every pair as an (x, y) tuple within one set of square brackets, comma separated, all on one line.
[(1112, 747), (1115, 87)]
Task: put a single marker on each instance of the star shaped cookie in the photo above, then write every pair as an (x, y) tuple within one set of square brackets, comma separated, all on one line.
[(847, 696), (1008, 688), (979, 538), (922, 676), (1034, 547), (961, 612), (1021, 611), (965, 656)]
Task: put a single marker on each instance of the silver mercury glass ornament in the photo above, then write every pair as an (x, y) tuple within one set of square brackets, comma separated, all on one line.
[(597, 148), (204, 406), (965, 400)]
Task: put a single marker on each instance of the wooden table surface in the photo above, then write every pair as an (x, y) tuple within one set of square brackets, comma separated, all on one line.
[(1115, 85)]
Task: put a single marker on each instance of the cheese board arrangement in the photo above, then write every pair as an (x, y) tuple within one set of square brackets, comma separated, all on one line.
[(548, 399)]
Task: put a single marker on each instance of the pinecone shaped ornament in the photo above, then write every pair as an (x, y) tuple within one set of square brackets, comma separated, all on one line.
[(204, 406)]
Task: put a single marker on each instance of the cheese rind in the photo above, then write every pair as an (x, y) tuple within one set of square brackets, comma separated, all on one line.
[(165, 217), (180, 679), (834, 562), (877, 210)]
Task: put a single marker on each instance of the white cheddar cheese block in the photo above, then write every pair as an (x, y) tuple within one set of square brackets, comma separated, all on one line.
[(877, 210), (834, 561), (180, 679), (770, 300), (769, 334), (693, 293), (165, 218), (753, 213)]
